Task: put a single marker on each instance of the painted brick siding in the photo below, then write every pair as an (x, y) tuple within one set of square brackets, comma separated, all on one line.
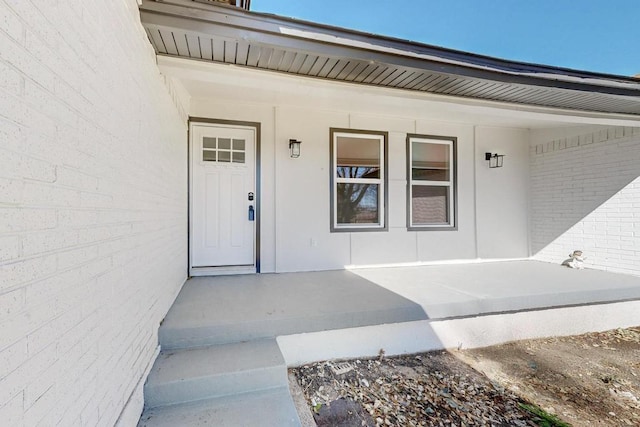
[(93, 225), (585, 194)]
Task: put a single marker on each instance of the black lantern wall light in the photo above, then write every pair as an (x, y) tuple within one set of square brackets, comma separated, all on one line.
[(294, 148), (495, 160)]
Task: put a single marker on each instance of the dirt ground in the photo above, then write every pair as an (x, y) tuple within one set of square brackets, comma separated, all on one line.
[(586, 380)]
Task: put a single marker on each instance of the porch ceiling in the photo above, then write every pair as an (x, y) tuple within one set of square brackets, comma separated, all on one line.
[(222, 34)]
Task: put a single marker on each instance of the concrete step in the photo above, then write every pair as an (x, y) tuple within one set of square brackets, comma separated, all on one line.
[(265, 408), (204, 373)]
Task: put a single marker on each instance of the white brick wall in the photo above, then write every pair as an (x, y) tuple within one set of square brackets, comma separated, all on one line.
[(585, 192), (93, 223)]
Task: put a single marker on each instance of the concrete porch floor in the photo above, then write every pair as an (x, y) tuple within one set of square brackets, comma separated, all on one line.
[(245, 307), (463, 290), (227, 341), (240, 308), (477, 305)]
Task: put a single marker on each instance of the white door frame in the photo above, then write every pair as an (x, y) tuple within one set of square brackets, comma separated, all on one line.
[(213, 271)]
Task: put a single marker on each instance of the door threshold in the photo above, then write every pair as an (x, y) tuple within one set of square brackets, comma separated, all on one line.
[(222, 271)]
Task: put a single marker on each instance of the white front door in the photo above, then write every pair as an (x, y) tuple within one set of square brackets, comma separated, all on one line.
[(223, 199)]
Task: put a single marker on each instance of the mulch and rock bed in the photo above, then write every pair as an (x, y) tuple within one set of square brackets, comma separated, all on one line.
[(429, 389), (590, 379)]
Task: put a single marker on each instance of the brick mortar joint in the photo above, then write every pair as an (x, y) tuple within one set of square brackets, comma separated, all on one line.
[(604, 135)]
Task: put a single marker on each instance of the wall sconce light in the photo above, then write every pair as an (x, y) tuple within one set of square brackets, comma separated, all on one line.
[(294, 148), (495, 160)]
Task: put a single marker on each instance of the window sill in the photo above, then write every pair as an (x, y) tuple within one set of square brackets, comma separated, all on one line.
[(357, 229), (432, 228)]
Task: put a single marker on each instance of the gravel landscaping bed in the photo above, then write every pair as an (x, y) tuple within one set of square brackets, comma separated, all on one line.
[(430, 389), (591, 379)]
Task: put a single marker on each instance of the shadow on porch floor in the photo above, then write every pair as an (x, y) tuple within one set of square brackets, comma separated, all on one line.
[(212, 310)]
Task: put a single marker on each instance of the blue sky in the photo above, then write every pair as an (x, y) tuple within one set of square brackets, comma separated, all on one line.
[(593, 35)]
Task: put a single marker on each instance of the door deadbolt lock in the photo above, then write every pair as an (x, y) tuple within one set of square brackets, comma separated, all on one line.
[(250, 197)]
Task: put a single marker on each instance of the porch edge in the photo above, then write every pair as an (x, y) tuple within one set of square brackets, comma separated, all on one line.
[(469, 332)]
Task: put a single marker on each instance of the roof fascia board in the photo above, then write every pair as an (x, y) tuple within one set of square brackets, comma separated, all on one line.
[(272, 31), (204, 71)]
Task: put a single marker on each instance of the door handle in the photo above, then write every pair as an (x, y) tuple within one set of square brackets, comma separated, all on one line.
[(252, 213)]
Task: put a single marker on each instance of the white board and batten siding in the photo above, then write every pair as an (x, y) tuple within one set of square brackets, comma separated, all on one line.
[(295, 216)]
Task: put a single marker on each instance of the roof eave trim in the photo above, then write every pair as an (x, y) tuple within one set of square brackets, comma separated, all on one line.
[(433, 58)]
